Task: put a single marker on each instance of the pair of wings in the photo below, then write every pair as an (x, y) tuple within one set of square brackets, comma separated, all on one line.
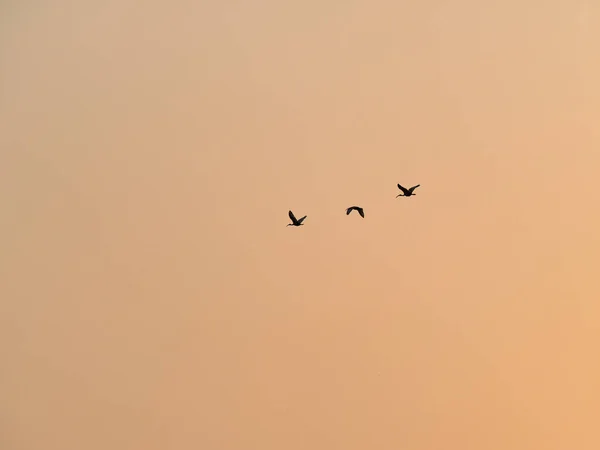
[(360, 211), (293, 218), (408, 191)]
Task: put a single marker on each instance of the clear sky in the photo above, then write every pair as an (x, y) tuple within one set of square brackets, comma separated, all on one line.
[(152, 297)]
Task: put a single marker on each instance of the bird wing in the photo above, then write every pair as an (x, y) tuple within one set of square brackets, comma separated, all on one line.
[(348, 210), (403, 189), (414, 187), (291, 214), (301, 219), (361, 212)]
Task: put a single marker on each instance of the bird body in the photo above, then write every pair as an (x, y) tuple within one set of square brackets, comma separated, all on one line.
[(407, 192), (295, 222), (357, 208)]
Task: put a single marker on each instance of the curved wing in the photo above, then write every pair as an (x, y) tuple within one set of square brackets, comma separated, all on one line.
[(414, 187), (292, 217), (348, 210), (361, 212), (403, 189), (301, 219)]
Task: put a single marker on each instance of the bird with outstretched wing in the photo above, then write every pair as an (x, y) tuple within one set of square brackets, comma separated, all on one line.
[(406, 192), (295, 222), (357, 208)]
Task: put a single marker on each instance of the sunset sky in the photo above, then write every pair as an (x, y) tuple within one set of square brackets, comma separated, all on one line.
[(152, 297)]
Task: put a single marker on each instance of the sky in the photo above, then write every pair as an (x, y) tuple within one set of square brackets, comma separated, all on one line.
[(152, 296)]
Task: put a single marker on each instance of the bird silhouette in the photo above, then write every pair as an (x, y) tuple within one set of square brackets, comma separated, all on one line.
[(295, 222), (407, 192), (357, 208)]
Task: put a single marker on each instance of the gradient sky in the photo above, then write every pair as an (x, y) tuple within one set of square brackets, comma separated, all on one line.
[(152, 297)]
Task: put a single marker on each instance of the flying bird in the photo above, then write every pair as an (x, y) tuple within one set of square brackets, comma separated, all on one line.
[(407, 192), (295, 222), (357, 208)]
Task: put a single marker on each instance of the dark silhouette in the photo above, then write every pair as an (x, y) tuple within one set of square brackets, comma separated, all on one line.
[(358, 208), (407, 192), (295, 222)]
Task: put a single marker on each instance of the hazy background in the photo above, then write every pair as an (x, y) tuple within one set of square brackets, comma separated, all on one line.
[(152, 297)]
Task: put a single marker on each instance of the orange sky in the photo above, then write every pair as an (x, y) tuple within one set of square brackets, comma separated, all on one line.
[(153, 298)]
